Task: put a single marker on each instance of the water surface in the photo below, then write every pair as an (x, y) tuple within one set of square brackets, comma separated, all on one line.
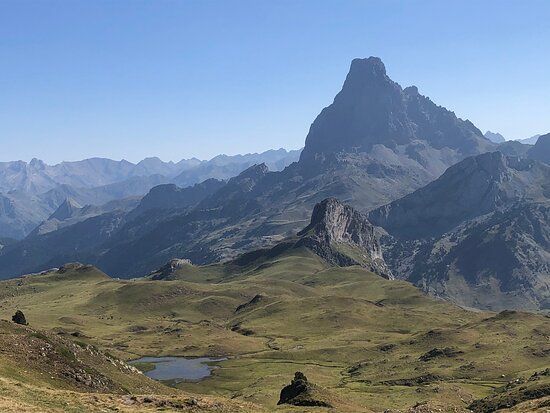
[(178, 369)]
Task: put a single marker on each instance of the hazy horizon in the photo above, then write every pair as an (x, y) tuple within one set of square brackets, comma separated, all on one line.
[(131, 80), (148, 157)]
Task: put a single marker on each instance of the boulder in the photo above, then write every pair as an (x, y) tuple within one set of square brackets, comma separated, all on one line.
[(19, 318)]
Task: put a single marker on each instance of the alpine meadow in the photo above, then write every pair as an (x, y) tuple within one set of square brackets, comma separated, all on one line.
[(396, 261)]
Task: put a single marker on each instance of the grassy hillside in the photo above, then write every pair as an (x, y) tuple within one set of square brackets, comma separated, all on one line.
[(374, 344), (44, 371)]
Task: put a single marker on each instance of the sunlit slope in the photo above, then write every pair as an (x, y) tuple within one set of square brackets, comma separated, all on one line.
[(375, 343), (45, 371)]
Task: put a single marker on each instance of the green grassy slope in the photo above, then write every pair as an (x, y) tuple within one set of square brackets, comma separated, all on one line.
[(368, 340), (45, 371)]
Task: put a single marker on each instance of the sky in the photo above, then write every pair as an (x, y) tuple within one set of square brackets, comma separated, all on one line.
[(180, 79)]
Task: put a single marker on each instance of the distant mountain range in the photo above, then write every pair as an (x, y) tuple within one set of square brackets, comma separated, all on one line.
[(530, 141), (30, 192), (449, 203), (375, 143), (498, 138)]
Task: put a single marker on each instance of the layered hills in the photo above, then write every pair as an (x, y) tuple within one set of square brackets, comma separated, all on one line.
[(30, 192), (375, 143), (366, 342)]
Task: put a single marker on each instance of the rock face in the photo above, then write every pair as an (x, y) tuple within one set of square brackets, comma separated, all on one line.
[(342, 236), (371, 109), (66, 210), (300, 392), (479, 235), (255, 300), (438, 353)]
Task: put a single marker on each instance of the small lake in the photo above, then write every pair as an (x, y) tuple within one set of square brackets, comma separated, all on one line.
[(178, 369)]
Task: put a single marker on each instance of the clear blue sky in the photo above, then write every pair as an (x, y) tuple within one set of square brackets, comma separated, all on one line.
[(175, 79)]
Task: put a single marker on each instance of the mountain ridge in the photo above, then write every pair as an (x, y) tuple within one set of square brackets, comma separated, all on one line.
[(32, 191), (259, 208), (478, 235)]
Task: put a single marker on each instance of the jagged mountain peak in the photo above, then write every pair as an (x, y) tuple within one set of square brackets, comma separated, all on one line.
[(372, 109), (254, 171)]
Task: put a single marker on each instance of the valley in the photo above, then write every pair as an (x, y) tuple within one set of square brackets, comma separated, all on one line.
[(398, 264), (274, 206), (373, 343)]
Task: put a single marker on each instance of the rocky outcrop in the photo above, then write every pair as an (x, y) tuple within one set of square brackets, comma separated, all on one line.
[(170, 268), (337, 233), (255, 300), (300, 392), (342, 236), (438, 353), (74, 266)]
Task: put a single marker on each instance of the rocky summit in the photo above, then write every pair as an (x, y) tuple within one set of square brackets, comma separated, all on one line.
[(342, 236), (371, 109), (337, 233)]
